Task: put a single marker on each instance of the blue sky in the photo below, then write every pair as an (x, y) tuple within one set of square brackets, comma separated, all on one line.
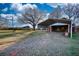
[(6, 8), (15, 8)]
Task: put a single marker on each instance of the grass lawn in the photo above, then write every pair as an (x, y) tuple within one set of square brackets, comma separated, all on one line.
[(5, 34), (74, 45), (10, 33), (36, 33), (8, 37)]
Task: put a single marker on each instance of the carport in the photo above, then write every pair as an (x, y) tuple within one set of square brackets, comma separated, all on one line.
[(63, 25), (59, 27)]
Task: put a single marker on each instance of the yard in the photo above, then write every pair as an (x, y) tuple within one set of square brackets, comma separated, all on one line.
[(74, 45), (37, 43), (8, 37)]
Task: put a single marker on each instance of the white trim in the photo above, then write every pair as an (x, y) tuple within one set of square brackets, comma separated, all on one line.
[(58, 24), (71, 30)]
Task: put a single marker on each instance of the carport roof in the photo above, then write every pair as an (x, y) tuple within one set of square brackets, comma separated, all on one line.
[(52, 21)]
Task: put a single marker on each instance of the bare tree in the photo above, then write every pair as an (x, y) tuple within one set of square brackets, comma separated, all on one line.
[(32, 16), (69, 10), (76, 13), (3, 23), (56, 13), (72, 11)]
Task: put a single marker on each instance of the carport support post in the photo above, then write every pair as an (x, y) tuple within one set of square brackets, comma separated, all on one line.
[(68, 27), (50, 28), (71, 30)]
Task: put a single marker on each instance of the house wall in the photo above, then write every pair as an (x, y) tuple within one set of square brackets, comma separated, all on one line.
[(77, 29)]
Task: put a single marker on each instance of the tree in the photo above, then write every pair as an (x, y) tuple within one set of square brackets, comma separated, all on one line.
[(72, 11), (76, 13), (56, 13), (3, 23), (69, 10), (11, 18), (32, 16), (7, 20)]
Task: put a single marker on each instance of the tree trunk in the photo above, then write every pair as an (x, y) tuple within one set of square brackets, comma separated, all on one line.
[(34, 25)]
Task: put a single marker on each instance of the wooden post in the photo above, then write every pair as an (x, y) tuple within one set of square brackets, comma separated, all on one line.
[(49, 28), (68, 27)]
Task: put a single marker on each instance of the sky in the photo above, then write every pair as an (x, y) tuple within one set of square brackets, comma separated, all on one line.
[(7, 8), (16, 8)]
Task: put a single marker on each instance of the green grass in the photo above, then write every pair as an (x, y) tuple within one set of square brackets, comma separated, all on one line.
[(9, 33), (4, 35), (74, 45), (37, 33)]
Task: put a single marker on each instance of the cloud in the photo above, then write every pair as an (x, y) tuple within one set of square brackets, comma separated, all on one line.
[(27, 6), (8, 16), (16, 6), (3, 15), (5, 9), (35, 6), (41, 3), (24, 25), (21, 7), (55, 5)]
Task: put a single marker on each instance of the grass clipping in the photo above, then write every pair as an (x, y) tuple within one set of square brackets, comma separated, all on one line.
[(6, 42)]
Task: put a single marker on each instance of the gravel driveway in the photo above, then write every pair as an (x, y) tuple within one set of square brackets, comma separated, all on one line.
[(46, 44)]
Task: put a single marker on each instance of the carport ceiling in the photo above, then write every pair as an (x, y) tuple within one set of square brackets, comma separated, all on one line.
[(58, 24)]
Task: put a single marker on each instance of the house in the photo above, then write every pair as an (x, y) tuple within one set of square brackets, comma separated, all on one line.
[(77, 29), (58, 25)]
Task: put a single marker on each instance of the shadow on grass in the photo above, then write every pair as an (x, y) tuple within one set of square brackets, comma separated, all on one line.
[(74, 45), (74, 51), (6, 35), (37, 33), (9, 33)]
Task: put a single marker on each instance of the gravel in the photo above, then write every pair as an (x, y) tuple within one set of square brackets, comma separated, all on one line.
[(47, 44)]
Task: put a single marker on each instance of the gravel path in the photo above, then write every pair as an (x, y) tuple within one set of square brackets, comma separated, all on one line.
[(48, 44)]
